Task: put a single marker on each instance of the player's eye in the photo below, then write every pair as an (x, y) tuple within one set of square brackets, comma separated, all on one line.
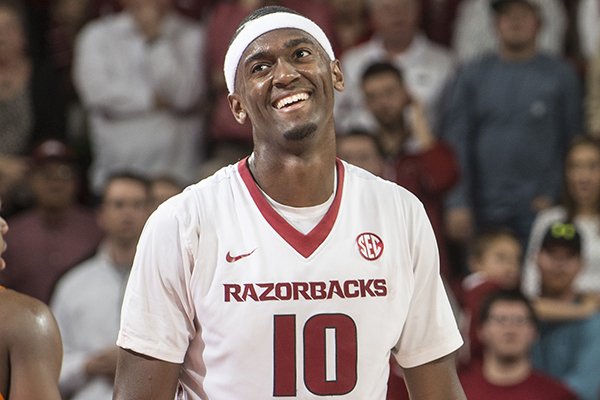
[(301, 53), (258, 68)]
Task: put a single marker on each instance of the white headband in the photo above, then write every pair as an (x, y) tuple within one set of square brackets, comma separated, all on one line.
[(257, 27)]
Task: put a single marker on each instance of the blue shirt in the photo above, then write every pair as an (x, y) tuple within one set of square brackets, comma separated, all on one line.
[(510, 123), (570, 351)]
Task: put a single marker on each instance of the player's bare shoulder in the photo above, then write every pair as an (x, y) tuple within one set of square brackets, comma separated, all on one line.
[(23, 315)]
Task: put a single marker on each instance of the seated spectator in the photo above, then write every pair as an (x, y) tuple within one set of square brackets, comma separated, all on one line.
[(495, 263), (30, 346), (474, 34), (569, 350), (57, 232), (162, 188), (87, 300), (507, 332), (362, 149), (427, 67), (32, 106), (228, 152), (415, 158), (139, 76), (580, 204)]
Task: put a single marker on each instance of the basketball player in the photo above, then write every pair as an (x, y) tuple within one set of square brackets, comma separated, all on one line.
[(290, 274), (30, 346)]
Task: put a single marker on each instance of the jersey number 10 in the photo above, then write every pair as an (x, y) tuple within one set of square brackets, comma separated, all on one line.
[(329, 357)]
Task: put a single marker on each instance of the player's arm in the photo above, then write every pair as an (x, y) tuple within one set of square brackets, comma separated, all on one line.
[(436, 380), (140, 377), (35, 350)]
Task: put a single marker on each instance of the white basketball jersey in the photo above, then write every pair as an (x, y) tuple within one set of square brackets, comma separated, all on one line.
[(254, 309)]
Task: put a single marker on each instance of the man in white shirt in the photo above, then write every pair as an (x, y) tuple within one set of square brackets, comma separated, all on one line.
[(138, 74), (426, 66), (87, 300)]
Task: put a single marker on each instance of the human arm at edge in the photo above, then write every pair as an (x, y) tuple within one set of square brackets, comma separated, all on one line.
[(435, 380), (140, 377), (35, 351)]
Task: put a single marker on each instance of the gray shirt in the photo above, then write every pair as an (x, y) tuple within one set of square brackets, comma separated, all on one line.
[(510, 124)]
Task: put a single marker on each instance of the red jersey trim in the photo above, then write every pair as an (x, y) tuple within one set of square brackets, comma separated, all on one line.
[(303, 244)]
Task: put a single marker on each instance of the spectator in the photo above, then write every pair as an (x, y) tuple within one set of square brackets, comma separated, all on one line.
[(474, 34), (87, 300), (593, 94), (507, 332), (30, 347), (163, 188), (362, 149), (351, 24), (416, 159), (511, 115), (439, 19), (138, 74), (570, 349), (66, 18), (427, 67), (495, 263), (31, 105), (57, 233), (580, 204)]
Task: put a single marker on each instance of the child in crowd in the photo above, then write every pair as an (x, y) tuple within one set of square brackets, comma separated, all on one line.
[(495, 263)]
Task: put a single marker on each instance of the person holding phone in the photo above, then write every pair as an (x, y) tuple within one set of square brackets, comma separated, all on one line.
[(415, 158)]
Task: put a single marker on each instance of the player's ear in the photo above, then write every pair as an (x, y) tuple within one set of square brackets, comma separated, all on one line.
[(337, 76), (237, 109)]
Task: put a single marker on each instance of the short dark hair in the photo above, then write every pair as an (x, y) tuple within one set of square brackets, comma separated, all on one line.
[(360, 133), (381, 67), (512, 296), (127, 175), (483, 240)]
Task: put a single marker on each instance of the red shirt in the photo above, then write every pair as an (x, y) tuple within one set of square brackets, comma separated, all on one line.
[(475, 290), (536, 386), (38, 254), (429, 175)]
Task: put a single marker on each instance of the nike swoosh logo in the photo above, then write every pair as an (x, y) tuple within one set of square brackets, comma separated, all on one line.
[(231, 259)]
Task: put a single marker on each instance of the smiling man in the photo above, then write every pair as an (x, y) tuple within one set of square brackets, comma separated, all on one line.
[(292, 273)]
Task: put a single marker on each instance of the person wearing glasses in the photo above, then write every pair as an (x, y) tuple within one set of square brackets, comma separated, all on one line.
[(507, 332)]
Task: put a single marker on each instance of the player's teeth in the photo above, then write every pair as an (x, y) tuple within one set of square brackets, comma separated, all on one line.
[(292, 99)]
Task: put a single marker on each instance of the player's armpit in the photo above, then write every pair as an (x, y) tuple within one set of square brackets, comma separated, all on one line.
[(140, 377), (436, 380)]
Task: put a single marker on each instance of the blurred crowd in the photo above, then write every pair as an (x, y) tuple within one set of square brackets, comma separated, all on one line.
[(487, 110)]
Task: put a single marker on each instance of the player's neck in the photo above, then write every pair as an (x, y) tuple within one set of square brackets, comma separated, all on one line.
[(297, 181)]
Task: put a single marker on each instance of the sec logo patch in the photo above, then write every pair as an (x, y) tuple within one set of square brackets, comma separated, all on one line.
[(370, 246)]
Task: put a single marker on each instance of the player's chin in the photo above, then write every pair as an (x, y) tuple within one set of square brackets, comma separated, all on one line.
[(300, 132)]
